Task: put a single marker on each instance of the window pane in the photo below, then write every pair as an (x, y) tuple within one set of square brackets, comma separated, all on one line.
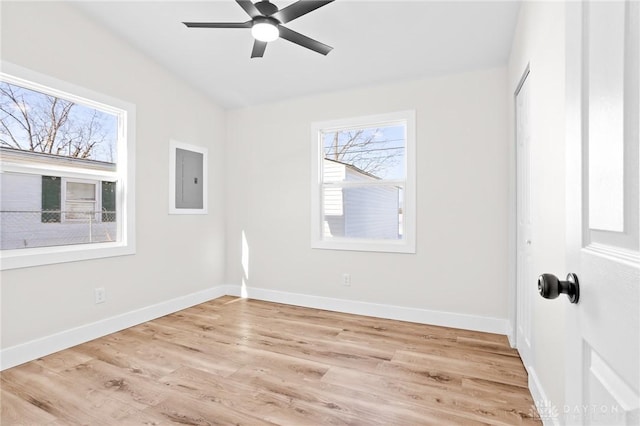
[(81, 191), (30, 118), (43, 211), (364, 154), (54, 132), (30, 219), (372, 212), (363, 182)]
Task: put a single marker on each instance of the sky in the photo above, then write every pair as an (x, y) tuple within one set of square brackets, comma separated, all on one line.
[(385, 151), (37, 105)]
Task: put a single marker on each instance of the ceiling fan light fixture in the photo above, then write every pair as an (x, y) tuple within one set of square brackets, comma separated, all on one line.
[(267, 24), (265, 30)]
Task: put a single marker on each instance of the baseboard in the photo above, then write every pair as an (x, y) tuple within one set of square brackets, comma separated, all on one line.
[(35, 349), (421, 316), (511, 335), (548, 413)]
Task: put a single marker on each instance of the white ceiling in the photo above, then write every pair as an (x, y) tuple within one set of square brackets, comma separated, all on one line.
[(374, 42)]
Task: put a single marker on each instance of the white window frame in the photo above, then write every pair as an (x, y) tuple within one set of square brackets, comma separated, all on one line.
[(408, 242), (97, 203), (124, 174)]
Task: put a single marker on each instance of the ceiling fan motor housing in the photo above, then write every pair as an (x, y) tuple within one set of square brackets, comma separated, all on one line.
[(266, 7)]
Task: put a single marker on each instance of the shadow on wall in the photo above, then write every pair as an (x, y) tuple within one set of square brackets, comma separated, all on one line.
[(245, 265)]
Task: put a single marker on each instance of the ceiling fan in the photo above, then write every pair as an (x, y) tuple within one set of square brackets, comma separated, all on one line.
[(266, 24)]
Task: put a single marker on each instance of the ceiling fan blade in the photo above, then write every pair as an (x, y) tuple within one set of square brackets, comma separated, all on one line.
[(258, 49), (247, 24), (297, 9), (249, 7), (303, 40)]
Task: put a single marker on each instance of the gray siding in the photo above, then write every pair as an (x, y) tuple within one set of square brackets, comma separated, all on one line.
[(367, 212), (20, 219), (371, 212)]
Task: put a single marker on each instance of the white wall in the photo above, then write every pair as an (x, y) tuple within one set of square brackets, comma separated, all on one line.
[(176, 255), (539, 41), (462, 139)]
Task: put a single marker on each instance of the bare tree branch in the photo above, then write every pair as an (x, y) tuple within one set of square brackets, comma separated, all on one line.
[(6, 91), (33, 121), (362, 149)]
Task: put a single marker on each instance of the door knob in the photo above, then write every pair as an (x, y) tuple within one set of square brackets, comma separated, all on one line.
[(550, 287)]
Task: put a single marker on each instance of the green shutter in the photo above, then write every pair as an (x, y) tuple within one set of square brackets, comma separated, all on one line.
[(108, 201), (51, 199)]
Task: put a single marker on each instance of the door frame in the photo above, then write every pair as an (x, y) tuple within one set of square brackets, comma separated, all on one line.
[(512, 246)]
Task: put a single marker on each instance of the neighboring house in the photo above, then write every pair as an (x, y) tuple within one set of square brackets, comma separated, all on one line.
[(361, 212), (50, 209)]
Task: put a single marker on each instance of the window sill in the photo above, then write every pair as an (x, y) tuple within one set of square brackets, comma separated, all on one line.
[(38, 256), (366, 245)]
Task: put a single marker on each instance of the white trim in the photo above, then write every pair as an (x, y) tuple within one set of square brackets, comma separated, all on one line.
[(61, 171), (29, 351), (125, 176), (354, 244), (512, 217), (549, 413), (32, 80), (526, 352), (400, 313), (616, 254), (19, 354), (511, 334), (408, 243), (23, 258), (97, 200), (173, 146)]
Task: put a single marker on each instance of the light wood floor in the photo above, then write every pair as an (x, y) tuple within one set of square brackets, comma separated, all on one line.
[(237, 361)]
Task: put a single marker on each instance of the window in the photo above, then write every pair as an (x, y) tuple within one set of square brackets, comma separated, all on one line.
[(66, 172), (80, 201), (363, 183)]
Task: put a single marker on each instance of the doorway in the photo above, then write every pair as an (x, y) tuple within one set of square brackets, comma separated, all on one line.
[(524, 289)]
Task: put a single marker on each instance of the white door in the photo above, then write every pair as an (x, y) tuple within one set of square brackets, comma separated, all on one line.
[(603, 329), (525, 292)]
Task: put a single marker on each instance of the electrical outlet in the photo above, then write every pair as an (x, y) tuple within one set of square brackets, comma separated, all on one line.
[(101, 295), (346, 279)]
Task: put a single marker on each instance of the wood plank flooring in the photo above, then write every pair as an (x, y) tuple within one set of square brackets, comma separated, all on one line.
[(238, 361)]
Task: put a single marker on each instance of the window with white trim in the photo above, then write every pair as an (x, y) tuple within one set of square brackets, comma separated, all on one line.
[(66, 171), (80, 200), (363, 183)]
